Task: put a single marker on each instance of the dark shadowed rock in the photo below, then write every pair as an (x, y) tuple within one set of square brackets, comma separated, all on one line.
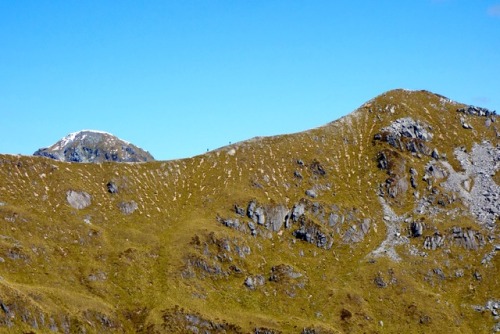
[(239, 210), (311, 232), (345, 314), (476, 111), (317, 168), (112, 187), (416, 229)]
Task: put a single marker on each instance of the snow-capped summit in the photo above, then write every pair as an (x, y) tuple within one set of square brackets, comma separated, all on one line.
[(94, 146)]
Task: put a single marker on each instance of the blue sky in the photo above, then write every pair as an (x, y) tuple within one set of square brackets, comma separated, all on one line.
[(180, 77)]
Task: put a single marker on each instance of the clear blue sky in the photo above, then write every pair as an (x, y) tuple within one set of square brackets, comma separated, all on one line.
[(180, 77)]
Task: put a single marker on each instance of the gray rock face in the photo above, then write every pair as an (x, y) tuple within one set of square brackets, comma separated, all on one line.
[(276, 217), (356, 232), (94, 146), (239, 210), (298, 210), (434, 242), (232, 223), (468, 238), (128, 208), (257, 214), (407, 134), (78, 199), (409, 128), (251, 209), (435, 171), (483, 197)]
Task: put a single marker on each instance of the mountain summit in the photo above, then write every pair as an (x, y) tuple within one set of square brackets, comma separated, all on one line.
[(94, 146)]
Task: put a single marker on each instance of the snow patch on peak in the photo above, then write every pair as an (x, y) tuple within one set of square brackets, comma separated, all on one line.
[(65, 141), (81, 135)]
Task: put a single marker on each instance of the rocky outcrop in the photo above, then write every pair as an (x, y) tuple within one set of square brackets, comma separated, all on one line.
[(476, 111), (312, 233), (468, 238), (395, 165), (434, 241), (356, 232), (489, 256), (309, 221), (94, 146), (407, 134)]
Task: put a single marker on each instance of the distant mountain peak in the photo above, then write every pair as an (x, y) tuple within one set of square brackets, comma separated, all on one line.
[(94, 146)]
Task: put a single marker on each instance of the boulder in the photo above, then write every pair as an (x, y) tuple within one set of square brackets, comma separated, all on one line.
[(128, 208), (416, 229), (311, 193), (276, 217), (252, 205), (253, 282), (78, 199), (297, 211)]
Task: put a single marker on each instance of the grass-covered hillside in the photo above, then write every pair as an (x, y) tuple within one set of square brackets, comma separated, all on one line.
[(384, 221)]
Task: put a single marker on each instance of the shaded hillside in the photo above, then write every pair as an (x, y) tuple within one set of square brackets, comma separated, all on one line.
[(94, 146), (381, 222)]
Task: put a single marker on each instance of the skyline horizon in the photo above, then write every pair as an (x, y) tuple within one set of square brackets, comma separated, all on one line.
[(181, 77)]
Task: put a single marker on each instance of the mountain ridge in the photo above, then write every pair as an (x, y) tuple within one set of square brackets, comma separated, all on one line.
[(372, 223)]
